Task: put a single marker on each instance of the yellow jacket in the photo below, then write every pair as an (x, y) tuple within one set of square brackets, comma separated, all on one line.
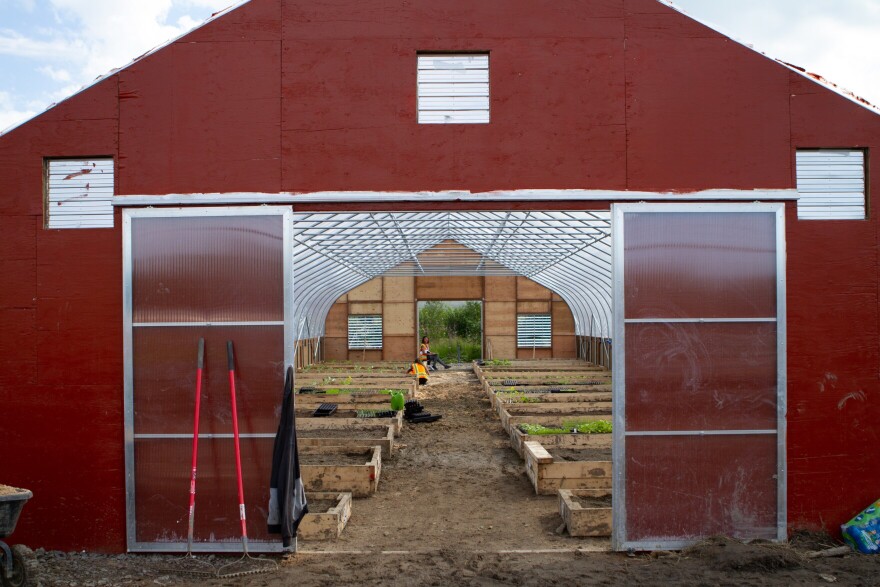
[(418, 370)]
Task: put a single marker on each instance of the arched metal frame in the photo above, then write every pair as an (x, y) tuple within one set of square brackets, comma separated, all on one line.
[(568, 252)]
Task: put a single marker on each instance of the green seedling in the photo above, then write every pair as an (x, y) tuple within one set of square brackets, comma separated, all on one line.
[(540, 430), (498, 362), (588, 426)]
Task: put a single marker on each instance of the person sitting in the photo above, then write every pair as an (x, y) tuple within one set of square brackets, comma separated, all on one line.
[(417, 369), (431, 359)]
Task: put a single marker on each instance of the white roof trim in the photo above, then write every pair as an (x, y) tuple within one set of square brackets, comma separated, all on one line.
[(116, 70), (451, 196), (815, 78)]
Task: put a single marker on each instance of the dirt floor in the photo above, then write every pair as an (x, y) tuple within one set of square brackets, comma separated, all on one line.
[(455, 507)]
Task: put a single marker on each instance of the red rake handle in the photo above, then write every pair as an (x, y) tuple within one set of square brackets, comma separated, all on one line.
[(195, 443), (230, 357)]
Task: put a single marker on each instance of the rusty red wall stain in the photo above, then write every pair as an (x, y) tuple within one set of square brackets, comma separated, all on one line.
[(308, 96)]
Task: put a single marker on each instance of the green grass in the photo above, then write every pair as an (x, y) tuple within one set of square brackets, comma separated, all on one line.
[(447, 348)]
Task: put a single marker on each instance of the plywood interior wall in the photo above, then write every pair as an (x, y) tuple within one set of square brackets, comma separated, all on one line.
[(396, 298)]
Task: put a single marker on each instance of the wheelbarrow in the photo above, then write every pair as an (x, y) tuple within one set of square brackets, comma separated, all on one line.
[(13, 572)]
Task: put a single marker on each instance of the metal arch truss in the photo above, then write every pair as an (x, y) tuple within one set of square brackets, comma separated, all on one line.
[(568, 252)]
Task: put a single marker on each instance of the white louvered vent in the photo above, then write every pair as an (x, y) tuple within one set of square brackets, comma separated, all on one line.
[(533, 330), (365, 332), (79, 193), (453, 89), (831, 184)]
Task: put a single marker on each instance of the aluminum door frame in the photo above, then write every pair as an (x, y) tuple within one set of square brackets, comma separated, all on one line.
[(286, 214), (619, 539)]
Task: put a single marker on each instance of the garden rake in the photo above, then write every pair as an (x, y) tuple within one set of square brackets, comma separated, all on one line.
[(189, 564), (246, 565)]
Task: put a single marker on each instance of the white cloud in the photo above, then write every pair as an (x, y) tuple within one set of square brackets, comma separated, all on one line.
[(842, 52), (13, 43), (27, 5), (212, 4), (58, 75), (92, 38), (9, 112), (839, 42)]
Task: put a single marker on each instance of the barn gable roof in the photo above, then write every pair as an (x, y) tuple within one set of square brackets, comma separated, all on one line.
[(813, 77)]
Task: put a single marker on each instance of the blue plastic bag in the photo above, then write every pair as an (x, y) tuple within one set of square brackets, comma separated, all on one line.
[(863, 531)]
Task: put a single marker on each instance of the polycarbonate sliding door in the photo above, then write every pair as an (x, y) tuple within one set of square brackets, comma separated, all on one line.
[(699, 373), (219, 274)]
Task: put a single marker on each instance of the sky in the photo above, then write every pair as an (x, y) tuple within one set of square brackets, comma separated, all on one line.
[(49, 49)]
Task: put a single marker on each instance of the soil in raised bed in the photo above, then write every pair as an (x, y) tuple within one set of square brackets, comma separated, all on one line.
[(592, 502), (353, 433), (320, 506), (333, 459), (580, 454)]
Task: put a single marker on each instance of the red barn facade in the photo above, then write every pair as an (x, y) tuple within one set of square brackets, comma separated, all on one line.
[(314, 106)]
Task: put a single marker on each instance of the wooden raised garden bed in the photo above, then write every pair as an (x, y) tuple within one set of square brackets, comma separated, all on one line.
[(586, 383), (363, 437), (567, 440), (347, 416), (328, 515), (512, 414), (351, 424), (336, 468), (586, 512), (355, 397), (567, 468), (502, 398)]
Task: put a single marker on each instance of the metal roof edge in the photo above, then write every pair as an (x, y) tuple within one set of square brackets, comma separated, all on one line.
[(453, 196), (99, 79), (813, 77)]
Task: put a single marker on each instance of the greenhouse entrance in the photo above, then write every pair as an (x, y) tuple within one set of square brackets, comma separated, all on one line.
[(691, 296), (454, 329)]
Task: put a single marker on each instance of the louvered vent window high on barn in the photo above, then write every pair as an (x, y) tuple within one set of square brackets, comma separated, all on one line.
[(831, 184), (453, 89), (365, 332), (533, 331), (79, 193)]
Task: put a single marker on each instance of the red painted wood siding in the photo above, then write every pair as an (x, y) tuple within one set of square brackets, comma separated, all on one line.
[(302, 96)]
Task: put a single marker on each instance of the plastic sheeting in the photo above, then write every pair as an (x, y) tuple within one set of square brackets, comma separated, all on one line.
[(218, 275), (567, 252), (699, 440)]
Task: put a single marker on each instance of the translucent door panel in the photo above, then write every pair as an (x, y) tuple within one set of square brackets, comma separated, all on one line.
[(699, 373), (221, 274)]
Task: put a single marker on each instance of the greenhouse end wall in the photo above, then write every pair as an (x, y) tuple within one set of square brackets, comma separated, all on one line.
[(396, 298)]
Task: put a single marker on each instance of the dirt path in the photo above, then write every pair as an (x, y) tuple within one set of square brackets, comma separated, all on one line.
[(455, 507), (456, 483)]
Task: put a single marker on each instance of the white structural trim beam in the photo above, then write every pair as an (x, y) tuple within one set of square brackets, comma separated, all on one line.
[(453, 196)]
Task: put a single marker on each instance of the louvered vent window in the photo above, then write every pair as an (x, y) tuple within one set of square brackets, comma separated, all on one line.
[(831, 184), (453, 89), (79, 193), (533, 330), (365, 332)]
